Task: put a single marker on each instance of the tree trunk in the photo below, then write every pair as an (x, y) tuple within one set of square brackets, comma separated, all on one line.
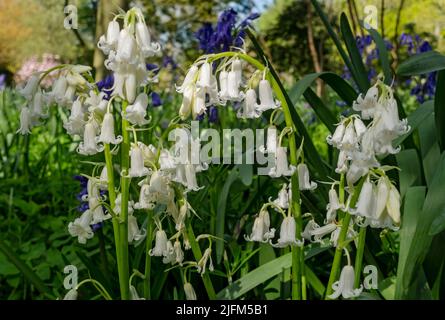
[(104, 14)]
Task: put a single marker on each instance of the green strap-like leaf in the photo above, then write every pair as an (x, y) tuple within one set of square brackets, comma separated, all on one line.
[(335, 38), (262, 274), (383, 55), (410, 249), (221, 212), (439, 109), (422, 63), (25, 269), (354, 53)]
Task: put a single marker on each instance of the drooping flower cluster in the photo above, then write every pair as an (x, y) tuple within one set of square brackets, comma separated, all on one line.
[(360, 148), (204, 86)]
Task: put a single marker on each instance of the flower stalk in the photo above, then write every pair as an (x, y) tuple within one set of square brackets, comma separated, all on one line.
[(123, 223)]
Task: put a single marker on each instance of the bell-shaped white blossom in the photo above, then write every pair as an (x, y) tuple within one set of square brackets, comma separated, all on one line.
[(350, 139), (80, 228), (137, 168), (179, 254), (31, 86), (282, 167), (307, 232), (150, 153), (261, 231), (57, 94), (359, 127), (304, 179), (266, 97), (25, 121), (333, 205), (96, 102), (342, 162), (336, 139), (160, 244), (118, 205), (366, 105), (249, 108), (233, 88), (135, 113), (223, 85), (107, 130), (76, 121), (146, 199), (102, 183), (287, 234), (199, 103), (386, 212), (109, 41), (187, 101), (97, 210), (345, 285), (126, 51), (89, 144), (206, 86), (202, 263), (366, 201), (134, 294), (134, 233), (189, 291), (189, 80), (143, 39), (283, 198)]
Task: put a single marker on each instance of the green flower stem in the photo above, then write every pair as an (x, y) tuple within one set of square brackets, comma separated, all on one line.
[(112, 196), (341, 239), (123, 217), (359, 256), (198, 255), (297, 252), (103, 292), (149, 239)]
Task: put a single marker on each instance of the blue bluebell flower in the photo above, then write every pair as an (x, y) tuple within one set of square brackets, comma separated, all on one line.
[(213, 114), (226, 34), (425, 87), (155, 99), (169, 61), (106, 85)]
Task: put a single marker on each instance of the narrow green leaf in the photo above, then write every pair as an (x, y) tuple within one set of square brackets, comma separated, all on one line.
[(344, 90), (314, 282), (416, 118), (354, 53), (263, 273), (335, 38), (412, 244), (429, 148), (221, 212), (439, 109), (422, 63), (324, 114), (25, 269), (409, 174), (383, 55)]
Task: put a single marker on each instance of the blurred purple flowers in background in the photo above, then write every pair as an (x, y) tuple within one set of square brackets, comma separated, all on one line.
[(223, 36), (425, 85)]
